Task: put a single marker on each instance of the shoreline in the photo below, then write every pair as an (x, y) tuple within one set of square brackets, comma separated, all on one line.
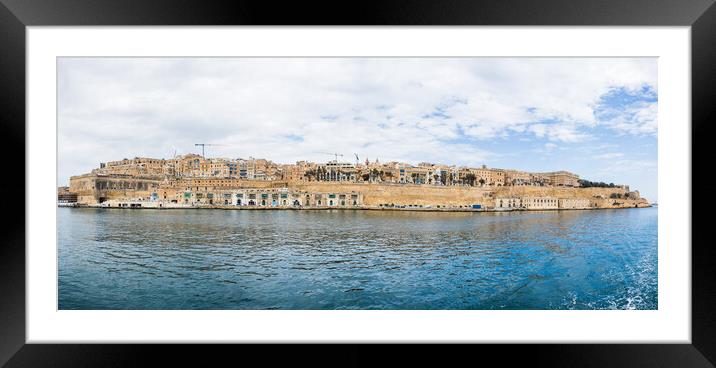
[(357, 208)]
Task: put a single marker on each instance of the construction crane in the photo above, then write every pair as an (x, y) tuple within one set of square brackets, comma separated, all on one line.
[(204, 145), (333, 154), (357, 160)]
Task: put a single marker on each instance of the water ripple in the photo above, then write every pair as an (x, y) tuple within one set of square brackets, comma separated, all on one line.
[(188, 259)]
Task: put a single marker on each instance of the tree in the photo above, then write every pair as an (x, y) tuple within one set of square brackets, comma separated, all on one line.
[(470, 179), (594, 184), (311, 173), (385, 174)]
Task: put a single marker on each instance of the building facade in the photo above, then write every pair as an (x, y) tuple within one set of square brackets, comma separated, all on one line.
[(540, 203), (574, 203), (508, 203), (268, 197)]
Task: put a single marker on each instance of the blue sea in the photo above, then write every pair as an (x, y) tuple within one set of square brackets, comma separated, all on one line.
[(353, 259)]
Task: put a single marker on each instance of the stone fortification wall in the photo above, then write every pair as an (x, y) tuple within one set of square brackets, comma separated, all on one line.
[(377, 194), (94, 189), (600, 197), (91, 189), (566, 192)]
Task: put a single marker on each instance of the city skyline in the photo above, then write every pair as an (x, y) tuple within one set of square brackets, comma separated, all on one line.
[(593, 117), (220, 167)]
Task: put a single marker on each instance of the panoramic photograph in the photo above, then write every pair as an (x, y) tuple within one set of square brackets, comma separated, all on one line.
[(406, 183)]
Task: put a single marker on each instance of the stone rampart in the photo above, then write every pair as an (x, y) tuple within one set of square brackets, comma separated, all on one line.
[(92, 188)]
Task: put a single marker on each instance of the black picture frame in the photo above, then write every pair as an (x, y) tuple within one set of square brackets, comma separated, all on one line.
[(15, 15)]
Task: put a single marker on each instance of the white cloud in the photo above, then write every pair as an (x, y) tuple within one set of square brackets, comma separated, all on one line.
[(609, 156), (550, 146), (287, 109), (631, 166), (639, 118)]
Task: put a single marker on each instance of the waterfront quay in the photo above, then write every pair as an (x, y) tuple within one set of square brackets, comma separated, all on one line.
[(373, 197)]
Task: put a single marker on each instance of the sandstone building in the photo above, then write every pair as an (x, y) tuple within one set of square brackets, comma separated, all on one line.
[(193, 180)]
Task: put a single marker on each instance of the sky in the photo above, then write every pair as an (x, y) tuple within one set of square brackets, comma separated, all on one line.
[(596, 117)]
